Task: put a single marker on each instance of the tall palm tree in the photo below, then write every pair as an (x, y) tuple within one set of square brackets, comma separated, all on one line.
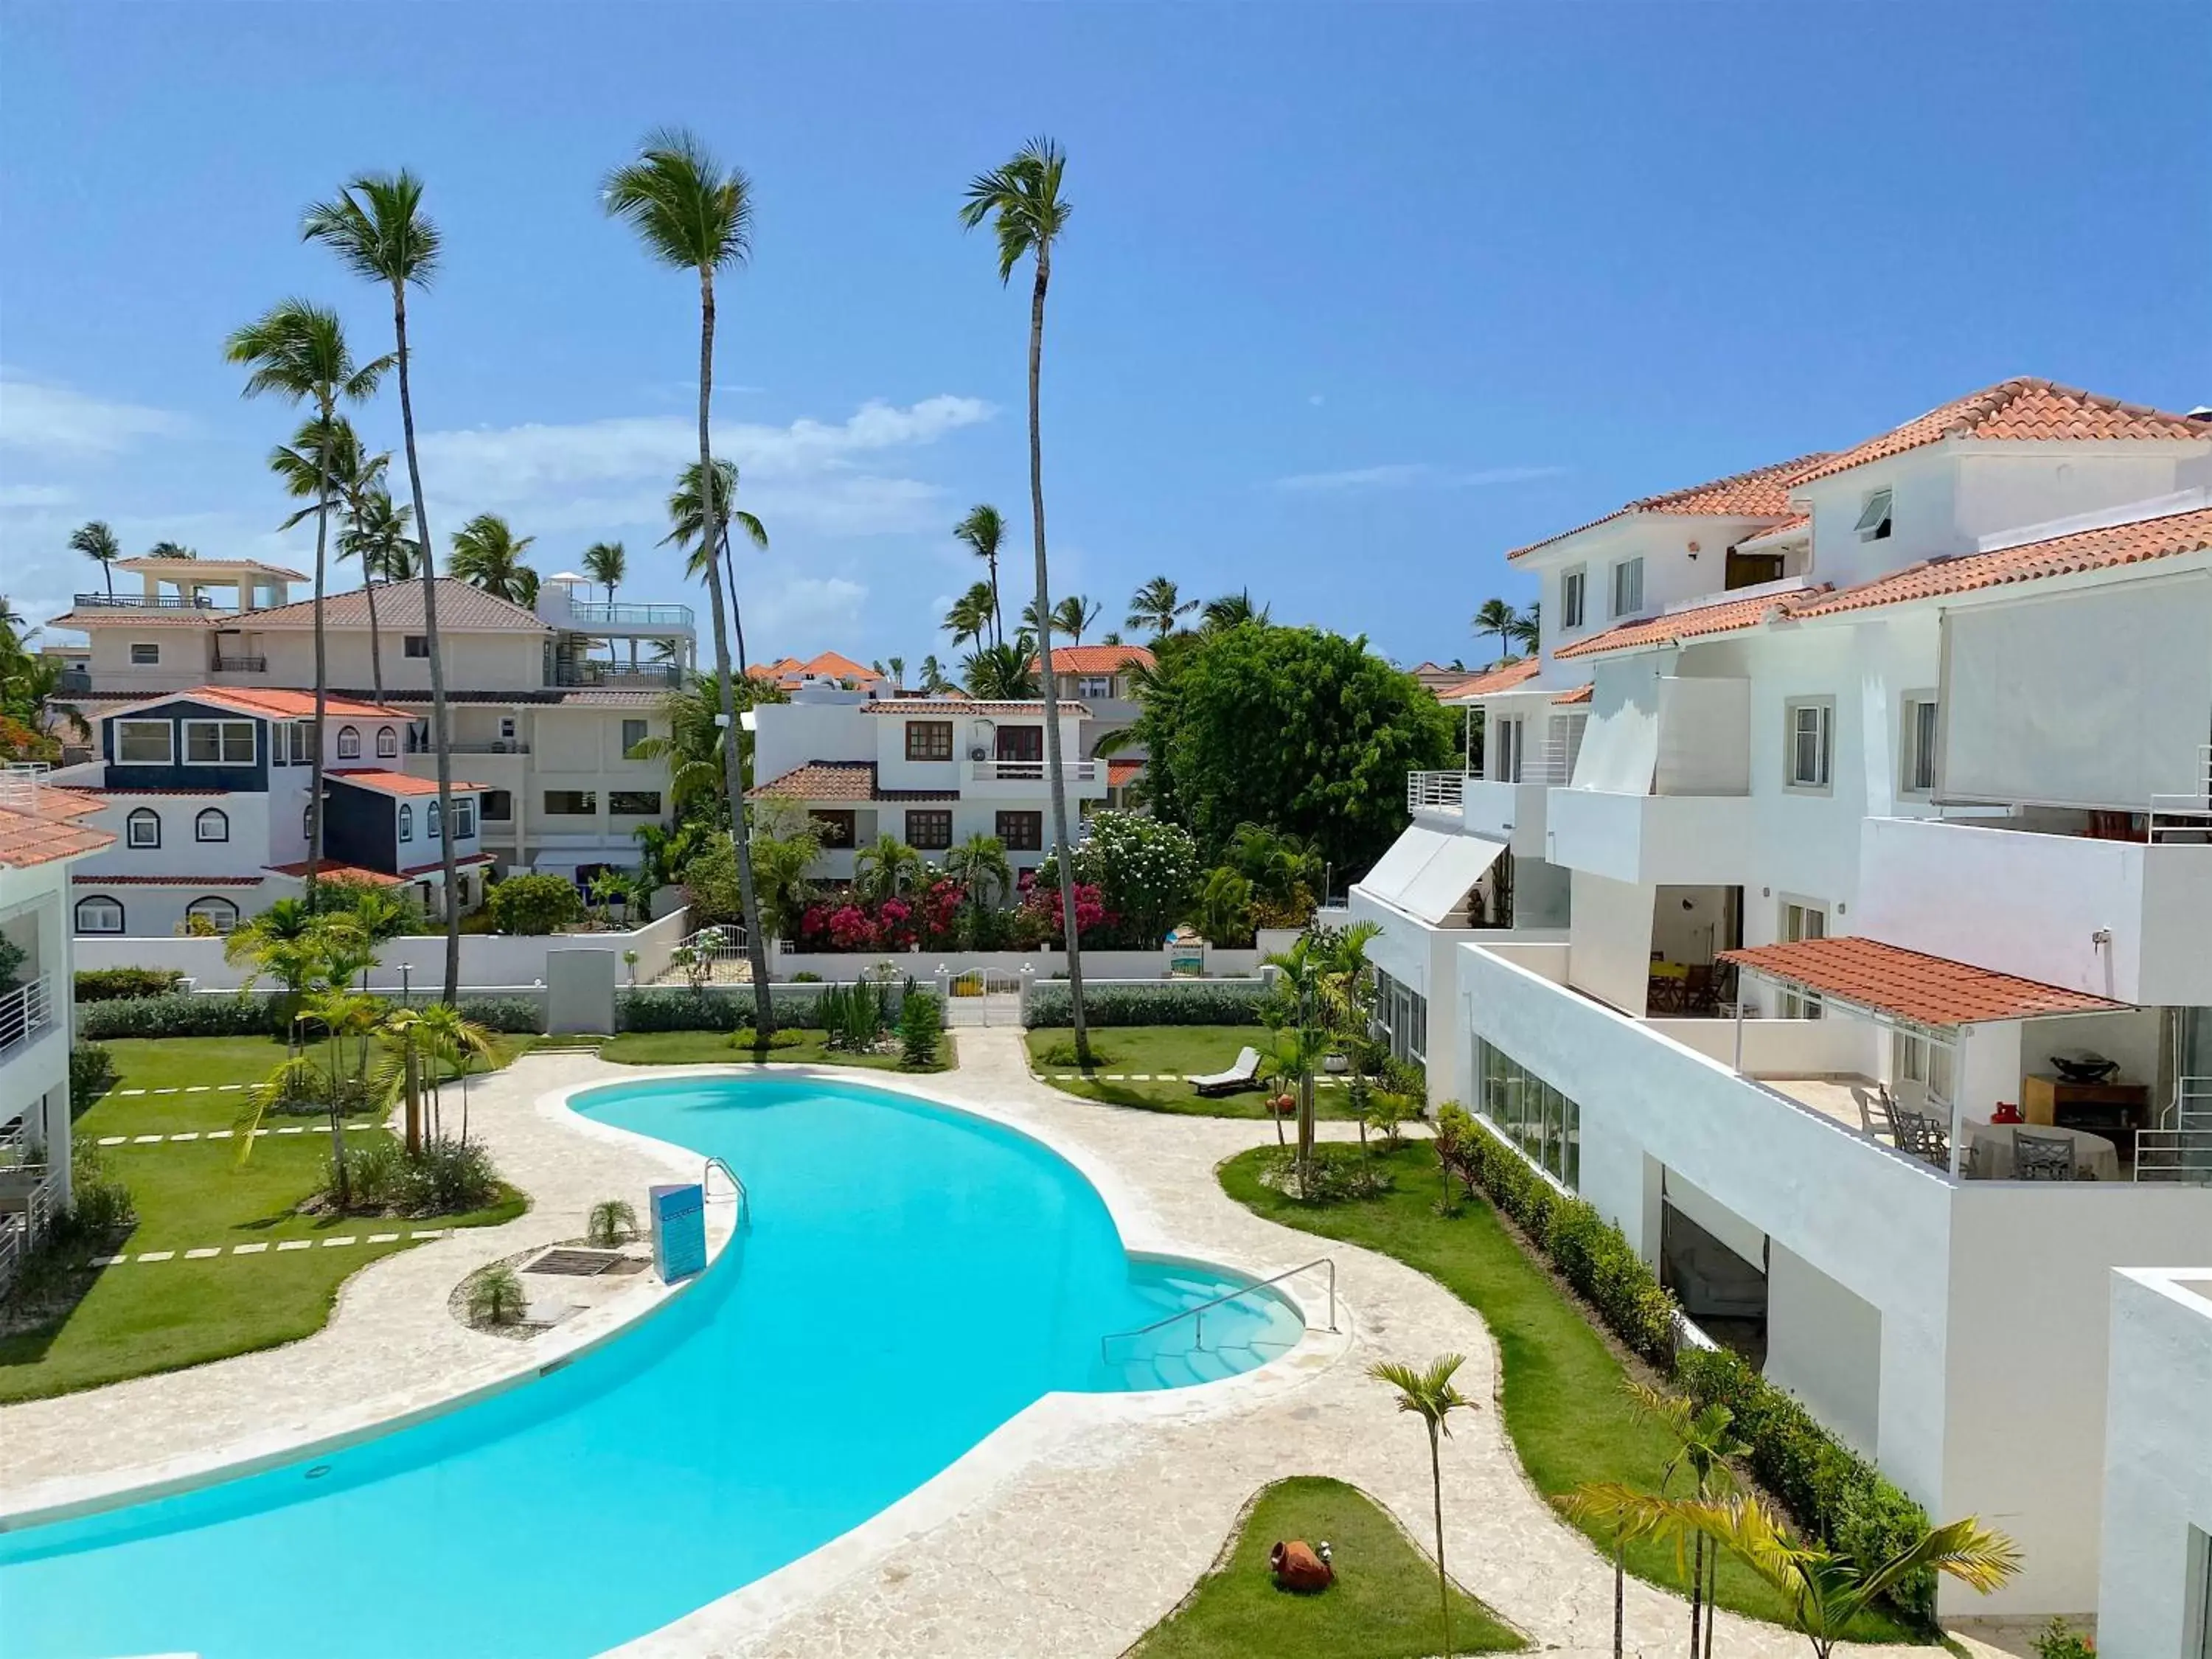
[(1230, 610), (1429, 1395), (691, 214), (1022, 200), (167, 549), (377, 534), (354, 476), (897, 666), (607, 564), (983, 529), (969, 618), (377, 227), (488, 553), (1072, 616), (687, 518), (1158, 606), (932, 676), (298, 351), (97, 542), (1495, 617), (1527, 628)]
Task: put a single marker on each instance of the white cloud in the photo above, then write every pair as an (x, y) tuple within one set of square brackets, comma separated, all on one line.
[(804, 608), (19, 497), (42, 418), (1406, 475)]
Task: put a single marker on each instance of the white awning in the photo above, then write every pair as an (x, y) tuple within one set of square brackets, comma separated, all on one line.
[(1429, 873), (1412, 849)]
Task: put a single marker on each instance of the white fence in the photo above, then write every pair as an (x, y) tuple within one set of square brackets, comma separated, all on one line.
[(1150, 965)]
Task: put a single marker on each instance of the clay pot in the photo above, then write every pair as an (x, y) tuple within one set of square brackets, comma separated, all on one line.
[(1297, 1567), (1284, 1105)]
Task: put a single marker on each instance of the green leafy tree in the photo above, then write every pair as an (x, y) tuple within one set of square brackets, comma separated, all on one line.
[(1222, 909), (1431, 1395), (982, 530), (782, 856), (488, 553), (97, 543), (1159, 607), (1289, 728), (535, 904), (1146, 870)]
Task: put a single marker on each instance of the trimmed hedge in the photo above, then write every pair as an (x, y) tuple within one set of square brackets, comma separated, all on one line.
[(1196, 1002), (178, 1014), (516, 1015), (728, 1008), (110, 984), (1832, 1492)]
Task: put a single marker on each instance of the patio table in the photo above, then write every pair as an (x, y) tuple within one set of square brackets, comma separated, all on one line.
[(2095, 1157)]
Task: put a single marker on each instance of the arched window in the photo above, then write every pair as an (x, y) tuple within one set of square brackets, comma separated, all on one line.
[(219, 911), (211, 825), (98, 916), (407, 822), (387, 742), (349, 742), (143, 828), (431, 814)]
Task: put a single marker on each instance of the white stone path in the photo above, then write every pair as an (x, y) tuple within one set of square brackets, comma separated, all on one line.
[(1070, 1531)]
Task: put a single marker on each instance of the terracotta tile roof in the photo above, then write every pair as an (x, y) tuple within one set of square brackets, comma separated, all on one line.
[(392, 783), (1926, 990), (289, 704), (461, 608), (66, 802), (34, 838), (226, 567), (1580, 693), (1095, 658), (2060, 555), (1491, 683), (821, 781), (1762, 493), (830, 666), (167, 881), (144, 617), (1119, 772), (330, 871), (1724, 618), (2022, 410), (914, 708)]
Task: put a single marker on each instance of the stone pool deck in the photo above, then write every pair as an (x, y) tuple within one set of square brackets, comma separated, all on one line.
[(1070, 1531)]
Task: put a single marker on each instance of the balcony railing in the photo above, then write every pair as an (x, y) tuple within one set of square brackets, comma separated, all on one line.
[(623, 614), (20, 783), (2186, 820), (1030, 771), (74, 681), (242, 664), (486, 746), (26, 1013), (149, 602), (653, 677), (1434, 791)]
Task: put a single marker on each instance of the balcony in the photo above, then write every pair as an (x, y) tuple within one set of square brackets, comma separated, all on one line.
[(1436, 795), (147, 602), (588, 613), (619, 676), (242, 664), (27, 1013), (1014, 779), (1660, 839), (2121, 918), (485, 746)]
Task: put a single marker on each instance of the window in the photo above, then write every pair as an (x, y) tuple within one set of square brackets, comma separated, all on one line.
[(1505, 751), (498, 806), (1919, 748), (929, 830), (1094, 686), (433, 822), (223, 743), (98, 916), (465, 818), (406, 822), (387, 743), (416, 645), (633, 734), (145, 655), (634, 803), (572, 803), (1021, 832), (929, 740), (211, 825), (300, 740), (1628, 587), (836, 828), (1811, 744), (1916, 1059), (143, 828), (1545, 1124), (349, 742), (1021, 743), (506, 727), (1874, 517), (220, 913), (145, 743), (1572, 585), (1801, 921)]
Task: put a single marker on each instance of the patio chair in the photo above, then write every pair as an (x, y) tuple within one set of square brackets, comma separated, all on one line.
[(2042, 1157), (1924, 1136), (1244, 1074), (1873, 1098)]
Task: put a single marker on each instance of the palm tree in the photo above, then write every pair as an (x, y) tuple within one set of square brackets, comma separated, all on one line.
[(376, 534), (1430, 1396), (450, 1039), (687, 520), (1023, 201), (607, 564), (885, 868), (780, 865), (1002, 673), (983, 529), (897, 666), (168, 550), (1158, 606), (933, 682), (979, 865), (1072, 616), (1584, 1506), (1703, 1446), (970, 617), (354, 477), (1495, 617), (97, 542), (299, 352), (376, 226), (689, 213), (488, 553), (1528, 629), (1230, 610)]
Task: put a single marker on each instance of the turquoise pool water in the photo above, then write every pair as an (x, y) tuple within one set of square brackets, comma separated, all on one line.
[(913, 1277)]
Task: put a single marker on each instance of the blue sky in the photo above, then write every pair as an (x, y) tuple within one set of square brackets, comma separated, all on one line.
[(1355, 296)]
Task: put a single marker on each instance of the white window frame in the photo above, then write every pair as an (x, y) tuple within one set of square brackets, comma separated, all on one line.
[(1509, 754), (465, 818), (152, 648), (143, 817), (1094, 686), (433, 823), (406, 822), (99, 905), (1798, 918), (1877, 515), (387, 743), (1626, 573), (1916, 749), (506, 727), (223, 912), (1574, 596), (415, 647), (220, 824), (1824, 708), (353, 732), (644, 734), (168, 731), (1914, 1058), (298, 737), (224, 731)]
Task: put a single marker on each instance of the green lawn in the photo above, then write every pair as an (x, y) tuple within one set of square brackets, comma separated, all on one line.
[(1177, 1050), (1383, 1604), (720, 1049), (1563, 1407)]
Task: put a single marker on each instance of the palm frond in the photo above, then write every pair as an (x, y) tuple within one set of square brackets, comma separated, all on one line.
[(376, 226)]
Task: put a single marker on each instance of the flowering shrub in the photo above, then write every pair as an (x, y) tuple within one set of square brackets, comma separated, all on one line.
[(1041, 914), (1146, 871), (927, 916)]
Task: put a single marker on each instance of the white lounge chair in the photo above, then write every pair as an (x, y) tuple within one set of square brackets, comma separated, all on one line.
[(1244, 1074)]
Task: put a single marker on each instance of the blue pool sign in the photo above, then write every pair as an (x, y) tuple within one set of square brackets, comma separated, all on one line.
[(679, 1230)]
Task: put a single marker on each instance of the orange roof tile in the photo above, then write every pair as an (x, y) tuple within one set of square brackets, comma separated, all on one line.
[(33, 838), (1095, 658), (920, 707), (821, 781), (1724, 618), (830, 666), (330, 871), (2023, 410), (2059, 556), (462, 608), (1926, 990), (274, 703), (394, 783), (140, 616), (1580, 693), (1762, 493), (1491, 683), (1119, 772)]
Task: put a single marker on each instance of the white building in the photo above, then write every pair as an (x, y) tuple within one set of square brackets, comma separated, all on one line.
[(1894, 773), (42, 834), (930, 771), (2156, 1596), (1103, 679)]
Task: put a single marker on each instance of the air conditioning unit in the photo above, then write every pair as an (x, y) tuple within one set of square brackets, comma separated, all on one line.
[(979, 753)]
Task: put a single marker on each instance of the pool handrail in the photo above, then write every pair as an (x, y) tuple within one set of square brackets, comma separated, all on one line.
[(737, 1187), (1198, 1313)]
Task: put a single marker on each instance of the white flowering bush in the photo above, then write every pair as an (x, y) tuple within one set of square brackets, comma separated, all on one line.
[(1147, 872)]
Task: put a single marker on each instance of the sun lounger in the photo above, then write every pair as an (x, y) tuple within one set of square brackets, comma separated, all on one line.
[(1244, 1074)]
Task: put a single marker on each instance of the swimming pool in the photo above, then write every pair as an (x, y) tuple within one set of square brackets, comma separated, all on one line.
[(913, 1277)]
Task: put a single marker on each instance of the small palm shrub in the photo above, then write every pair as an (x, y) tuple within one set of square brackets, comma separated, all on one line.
[(922, 1029), (495, 1296), (612, 1221), (447, 1177)]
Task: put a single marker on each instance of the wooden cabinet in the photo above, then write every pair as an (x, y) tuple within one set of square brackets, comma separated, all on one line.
[(2048, 1100)]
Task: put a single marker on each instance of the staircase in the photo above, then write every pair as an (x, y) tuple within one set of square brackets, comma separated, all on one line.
[(2181, 1148)]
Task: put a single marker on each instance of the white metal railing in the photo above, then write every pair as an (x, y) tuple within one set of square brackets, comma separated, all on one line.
[(2185, 819), (20, 785), (1198, 1314), (711, 956), (2179, 1147), (1030, 771), (1434, 791), (26, 1012)]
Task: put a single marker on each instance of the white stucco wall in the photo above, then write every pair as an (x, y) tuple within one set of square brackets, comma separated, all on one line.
[(2158, 1464)]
